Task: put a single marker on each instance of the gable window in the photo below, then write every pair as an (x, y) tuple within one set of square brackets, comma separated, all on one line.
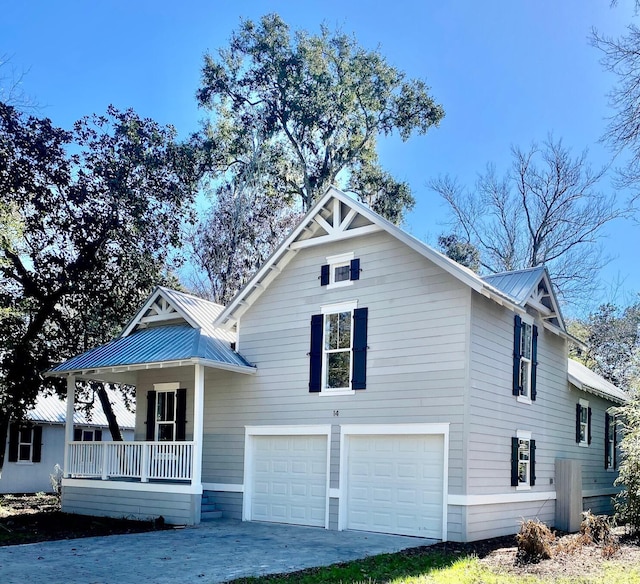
[(525, 354), (583, 423), (166, 413), (523, 460), (610, 441), (340, 270), (338, 349), (25, 443)]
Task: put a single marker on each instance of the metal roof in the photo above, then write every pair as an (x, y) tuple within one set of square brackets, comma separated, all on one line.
[(53, 410), (518, 285), (583, 378), (153, 345)]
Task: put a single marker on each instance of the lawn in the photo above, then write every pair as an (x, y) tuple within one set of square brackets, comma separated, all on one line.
[(488, 562)]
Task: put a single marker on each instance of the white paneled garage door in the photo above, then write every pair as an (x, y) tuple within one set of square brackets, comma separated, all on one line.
[(289, 479), (395, 484)]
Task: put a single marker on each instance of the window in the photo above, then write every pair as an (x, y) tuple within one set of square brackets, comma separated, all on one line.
[(87, 435), (525, 349), (338, 349), (166, 413), (340, 270), (523, 460), (610, 441), (583, 423), (25, 443)]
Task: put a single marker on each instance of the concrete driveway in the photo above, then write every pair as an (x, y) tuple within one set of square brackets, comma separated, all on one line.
[(212, 552)]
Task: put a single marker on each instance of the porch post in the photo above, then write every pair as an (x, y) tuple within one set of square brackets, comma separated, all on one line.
[(198, 425), (68, 423)]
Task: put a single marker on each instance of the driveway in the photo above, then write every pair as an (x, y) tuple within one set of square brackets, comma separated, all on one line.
[(212, 552)]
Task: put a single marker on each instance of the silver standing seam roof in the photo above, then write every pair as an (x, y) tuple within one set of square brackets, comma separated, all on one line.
[(50, 409), (196, 338), (518, 284)]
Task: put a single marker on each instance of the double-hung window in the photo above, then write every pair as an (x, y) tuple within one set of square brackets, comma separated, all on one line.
[(583, 423), (525, 349), (25, 443), (610, 441), (523, 460), (166, 413), (338, 349)]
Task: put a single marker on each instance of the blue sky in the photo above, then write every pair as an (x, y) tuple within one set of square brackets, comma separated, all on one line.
[(506, 71)]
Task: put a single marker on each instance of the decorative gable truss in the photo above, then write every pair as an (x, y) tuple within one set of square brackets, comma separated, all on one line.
[(544, 301), (160, 311)]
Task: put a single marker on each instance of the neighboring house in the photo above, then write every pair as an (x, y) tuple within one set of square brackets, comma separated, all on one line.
[(33, 449), (361, 380)]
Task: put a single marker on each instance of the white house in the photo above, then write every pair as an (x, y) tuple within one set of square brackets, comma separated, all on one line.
[(360, 381), (33, 449)]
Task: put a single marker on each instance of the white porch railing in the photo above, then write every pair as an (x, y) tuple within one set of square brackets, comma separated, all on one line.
[(132, 460)]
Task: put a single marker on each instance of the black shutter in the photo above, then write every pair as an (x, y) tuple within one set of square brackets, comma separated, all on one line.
[(315, 353), (517, 332), (324, 275), (607, 421), (360, 317), (14, 434), (532, 462), (77, 435), (36, 453), (151, 415), (181, 414), (589, 426), (514, 462), (98, 436), (578, 412), (534, 361), (354, 269)]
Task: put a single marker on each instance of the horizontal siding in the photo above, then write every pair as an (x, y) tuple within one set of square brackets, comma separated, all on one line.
[(416, 361), (598, 505), (176, 508), (484, 521)]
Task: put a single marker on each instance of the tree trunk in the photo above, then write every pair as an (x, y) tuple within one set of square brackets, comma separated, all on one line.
[(116, 435)]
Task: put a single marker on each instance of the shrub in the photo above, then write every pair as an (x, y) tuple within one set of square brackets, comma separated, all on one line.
[(535, 541), (596, 528), (627, 502)]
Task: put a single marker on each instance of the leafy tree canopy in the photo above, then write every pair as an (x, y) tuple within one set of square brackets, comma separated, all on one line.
[(87, 218), (317, 104)]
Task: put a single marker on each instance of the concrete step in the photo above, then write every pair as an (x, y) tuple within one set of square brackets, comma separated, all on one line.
[(210, 515), (208, 507)]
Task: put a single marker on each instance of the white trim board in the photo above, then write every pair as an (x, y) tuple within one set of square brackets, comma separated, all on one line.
[(126, 486), (500, 498), (223, 487)]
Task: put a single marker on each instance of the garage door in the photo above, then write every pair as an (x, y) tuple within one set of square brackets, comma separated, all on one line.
[(289, 482), (395, 484)]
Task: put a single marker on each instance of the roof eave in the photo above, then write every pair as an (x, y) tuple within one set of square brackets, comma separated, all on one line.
[(595, 391), (82, 373)]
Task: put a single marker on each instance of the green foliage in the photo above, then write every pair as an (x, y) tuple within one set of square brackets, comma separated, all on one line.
[(611, 334), (94, 212), (627, 502), (461, 251), (316, 105)]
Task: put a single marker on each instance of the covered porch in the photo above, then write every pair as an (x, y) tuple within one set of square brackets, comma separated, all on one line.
[(164, 353)]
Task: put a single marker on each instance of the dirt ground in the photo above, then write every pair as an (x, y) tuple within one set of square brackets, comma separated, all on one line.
[(571, 558), (33, 518)]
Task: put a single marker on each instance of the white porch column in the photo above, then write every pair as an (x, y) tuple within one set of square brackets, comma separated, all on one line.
[(68, 424), (198, 425)]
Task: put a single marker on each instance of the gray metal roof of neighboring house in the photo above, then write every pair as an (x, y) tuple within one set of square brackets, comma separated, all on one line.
[(53, 410), (583, 378), (518, 285), (153, 345)]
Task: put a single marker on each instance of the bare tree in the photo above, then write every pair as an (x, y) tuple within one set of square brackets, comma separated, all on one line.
[(11, 86), (545, 210)]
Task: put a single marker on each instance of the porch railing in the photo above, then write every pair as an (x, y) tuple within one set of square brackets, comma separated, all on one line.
[(131, 460)]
